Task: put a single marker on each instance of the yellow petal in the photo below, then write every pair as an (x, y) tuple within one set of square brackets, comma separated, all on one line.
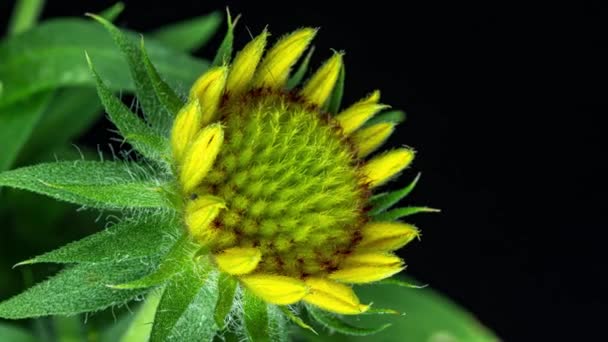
[(274, 70), (275, 289), (208, 89), (318, 89), (200, 213), (332, 296), (383, 167), (370, 138), (238, 260), (386, 236), (186, 125), (245, 64), (367, 268), (355, 116), (199, 157)]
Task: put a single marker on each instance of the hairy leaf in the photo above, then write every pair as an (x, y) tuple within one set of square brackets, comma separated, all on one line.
[(190, 34), (81, 288), (255, 312), (384, 201), (398, 213), (166, 96), (227, 288), (110, 185), (332, 322)]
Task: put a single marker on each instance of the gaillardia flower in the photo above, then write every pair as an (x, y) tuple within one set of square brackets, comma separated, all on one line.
[(251, 199)]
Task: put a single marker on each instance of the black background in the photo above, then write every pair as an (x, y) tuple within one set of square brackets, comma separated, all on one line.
[(506, 107)]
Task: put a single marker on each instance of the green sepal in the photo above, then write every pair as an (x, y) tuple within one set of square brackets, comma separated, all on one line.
[(255, 316), (112, 12), (184, 296), (78, 289), (109, 185), (154, 112), (398, 213), (380, 311), (332, 322), (165, 94), (224, 53), (385, 200), (298, 76), (335, 99), (391, 116), (190, 34), (226, 286), (129, 239), (297, 320), (131, 127), (397, 282)]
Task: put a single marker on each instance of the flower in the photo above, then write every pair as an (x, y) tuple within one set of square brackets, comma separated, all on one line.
[(277, 189)]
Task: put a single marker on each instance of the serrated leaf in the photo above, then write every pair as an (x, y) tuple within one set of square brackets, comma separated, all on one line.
[(78, 289), (50, 55), (177, 260), (391, 116), (335, 100), (129, 239), (13, 333), (110, 185), (332, 322), (131, 127), (398, 213), (17, 122), (255, 315), (140, 326), (384, 201), (298, 76), (224, 53), (112, 12), (178, 296), (24, 16), (227, 288), (190, 34), (166, 96), (297, 320)]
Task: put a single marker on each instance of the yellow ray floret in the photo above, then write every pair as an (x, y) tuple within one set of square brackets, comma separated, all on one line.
[(275, 289), (199, 157), (245, 64), (370, 138), (386, 236), (274, 69), (367, 268), (185, 127), (355, 116), (238, 260), (200, 213), (332, 296), (208, 89), (383, 167), (321, 84)]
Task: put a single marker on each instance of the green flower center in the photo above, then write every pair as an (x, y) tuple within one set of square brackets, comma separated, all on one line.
[(291, 183)]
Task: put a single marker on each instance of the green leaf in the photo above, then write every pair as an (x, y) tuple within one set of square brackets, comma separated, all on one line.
[(129, 239), (140, 328), (176, 261), (167, 97), (335, 100), (68, 329), (12, 333), (297, 320), (332, 322), (78, 289), (399, 282), (17, 122), (255, 314), (383, 201), (132, 128), (224, 53), (392, 116), (191, 34), (297, 77), (112, 12), (398, 213), (179, 297), (110, 185), (227, 288), (51, 55), (25, 15)]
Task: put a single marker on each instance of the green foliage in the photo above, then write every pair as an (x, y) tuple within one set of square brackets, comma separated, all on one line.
[(385, 200), (296, 319), (335, 100), (392, 116), (68, 328), (113, 11), (78, 289), (334, 323), (140, 328), (298, 76), (25, 15), (109, 185), (15, 334), (189, 35), (255, 317), (166, 96), (224, 52), (227, 288), (129, 239), (398, 213)]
